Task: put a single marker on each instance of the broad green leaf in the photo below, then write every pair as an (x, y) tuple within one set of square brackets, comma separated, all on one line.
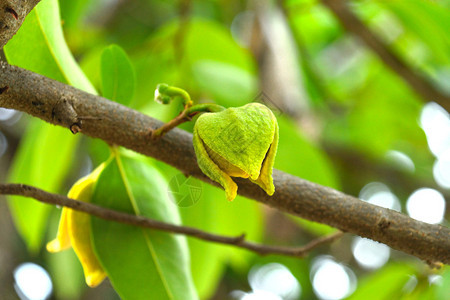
[(39, 46), (207, 259), (386, 283), (240, 216), (210, 40), (204, 45), (41, 160), (230, 85), (220, 67), (442, 289), (45, 152), (211, 63), (141, 263), (213, 213), (90, 64), (153, 67), (117, 74)]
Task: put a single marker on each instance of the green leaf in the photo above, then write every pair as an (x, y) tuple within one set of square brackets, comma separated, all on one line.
[(213, 213), (230, 85), (218, 64), (141, 263), (42, 160), (210, 40), (386, 283), (442, 289), (118, 75), (208, 259), (39, 46), (45, 152)]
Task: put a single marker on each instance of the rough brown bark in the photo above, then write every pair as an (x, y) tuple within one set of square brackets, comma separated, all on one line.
[(12, 15), (97, 117)]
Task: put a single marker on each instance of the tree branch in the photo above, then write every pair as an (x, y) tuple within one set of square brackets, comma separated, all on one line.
[(12, 15), (416, 82), (63, 105), (112, 215)]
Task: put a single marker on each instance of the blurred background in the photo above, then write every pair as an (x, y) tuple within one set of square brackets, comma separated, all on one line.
[(360, 90)]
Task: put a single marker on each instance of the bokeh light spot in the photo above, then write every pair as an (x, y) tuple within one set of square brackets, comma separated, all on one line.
[(379, 194), (32, 282), (401, 160), (370, 254), (332, 280), (426, 205), (3, 144), (441, 170), (435, 121), (276, 279)]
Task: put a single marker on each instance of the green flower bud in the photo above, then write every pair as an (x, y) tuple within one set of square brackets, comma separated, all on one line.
[(237, 142)]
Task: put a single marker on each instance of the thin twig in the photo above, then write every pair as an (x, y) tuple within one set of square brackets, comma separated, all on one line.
[(180, 119), (112, 215), (415, 81)]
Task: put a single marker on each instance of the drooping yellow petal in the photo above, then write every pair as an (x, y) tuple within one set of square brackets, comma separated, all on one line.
[(80, 230), (80, 236), (74, 230), (62, 240)]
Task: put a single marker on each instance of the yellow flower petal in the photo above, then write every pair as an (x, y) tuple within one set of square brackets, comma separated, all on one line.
[(79, 229), (94, 278), (80, 236), (62, 240), (74, 230)]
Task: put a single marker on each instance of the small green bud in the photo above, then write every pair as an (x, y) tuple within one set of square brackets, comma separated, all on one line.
[(160, 95), (164, 94), (237, 142)]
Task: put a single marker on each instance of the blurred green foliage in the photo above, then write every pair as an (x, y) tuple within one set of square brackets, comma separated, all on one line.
[(356, 107)]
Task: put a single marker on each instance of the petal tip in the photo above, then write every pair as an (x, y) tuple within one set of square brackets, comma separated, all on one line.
[(94, 278), (231, 191), (55, 246)]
